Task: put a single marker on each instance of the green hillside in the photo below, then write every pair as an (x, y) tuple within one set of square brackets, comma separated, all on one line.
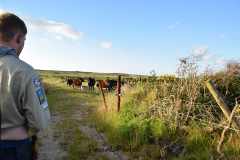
[(65, 74)]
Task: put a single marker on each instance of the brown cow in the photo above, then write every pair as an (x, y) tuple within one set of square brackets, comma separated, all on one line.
[(77, 82), (104, 83)]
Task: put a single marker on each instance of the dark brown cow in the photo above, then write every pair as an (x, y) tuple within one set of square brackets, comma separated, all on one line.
[(104, 83), (77, 82)]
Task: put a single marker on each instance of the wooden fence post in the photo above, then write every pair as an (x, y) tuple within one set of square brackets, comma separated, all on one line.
[(222, 104), (118, 92), (100, 87)]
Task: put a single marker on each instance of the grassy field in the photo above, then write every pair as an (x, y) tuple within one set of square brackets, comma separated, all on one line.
[(135, 125), (65, 74)]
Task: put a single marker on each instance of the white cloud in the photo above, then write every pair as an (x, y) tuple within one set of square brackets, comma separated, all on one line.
[(78, 43), (221, 61), (199, 50), (171, 26), (120, 49), (208, 57), (106, 45), (57, 30)]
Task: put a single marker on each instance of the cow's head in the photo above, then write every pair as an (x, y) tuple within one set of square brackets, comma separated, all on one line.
[(82, 79)]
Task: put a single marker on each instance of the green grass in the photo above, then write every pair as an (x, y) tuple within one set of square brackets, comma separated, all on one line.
[(126, 128), (129, 129)]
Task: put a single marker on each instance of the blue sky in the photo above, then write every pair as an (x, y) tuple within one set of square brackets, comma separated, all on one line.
[(126, 36)]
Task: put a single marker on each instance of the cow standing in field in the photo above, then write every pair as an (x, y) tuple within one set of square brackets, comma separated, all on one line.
[(69, 82), (91, 83), (112, 84), (77, 82), (104, 83)]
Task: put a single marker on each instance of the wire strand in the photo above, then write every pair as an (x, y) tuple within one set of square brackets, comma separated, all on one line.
[(105, 141)]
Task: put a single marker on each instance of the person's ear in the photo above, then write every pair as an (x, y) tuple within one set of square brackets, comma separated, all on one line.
[(18, 38)]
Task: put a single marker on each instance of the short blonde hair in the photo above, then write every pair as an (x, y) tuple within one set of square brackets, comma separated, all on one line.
[(10, 25)]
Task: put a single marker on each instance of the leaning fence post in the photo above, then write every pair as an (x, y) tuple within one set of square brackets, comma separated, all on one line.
[(100, 87), (118, 92), (222, 104)]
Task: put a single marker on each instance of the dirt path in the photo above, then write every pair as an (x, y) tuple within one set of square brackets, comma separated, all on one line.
[(48, 148)]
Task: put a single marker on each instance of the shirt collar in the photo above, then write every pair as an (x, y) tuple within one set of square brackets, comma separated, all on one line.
[(7, 50)]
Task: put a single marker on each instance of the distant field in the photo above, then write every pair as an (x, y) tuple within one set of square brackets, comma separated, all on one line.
[(65, 74)]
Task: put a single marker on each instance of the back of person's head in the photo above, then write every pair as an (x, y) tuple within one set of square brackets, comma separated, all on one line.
[(10, 25)]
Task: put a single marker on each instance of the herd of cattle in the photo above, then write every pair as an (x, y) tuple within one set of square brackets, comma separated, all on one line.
[(108, 84)]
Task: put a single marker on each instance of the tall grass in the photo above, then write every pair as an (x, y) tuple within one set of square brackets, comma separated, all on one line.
[(50, 85), (186, 95)]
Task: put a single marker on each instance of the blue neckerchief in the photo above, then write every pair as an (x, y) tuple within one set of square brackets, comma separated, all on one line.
[(7, 50)]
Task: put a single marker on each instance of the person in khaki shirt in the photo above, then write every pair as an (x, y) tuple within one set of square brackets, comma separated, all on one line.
[(23, 102)]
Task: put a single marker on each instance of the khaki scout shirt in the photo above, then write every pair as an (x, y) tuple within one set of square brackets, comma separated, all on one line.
[(22, 97)]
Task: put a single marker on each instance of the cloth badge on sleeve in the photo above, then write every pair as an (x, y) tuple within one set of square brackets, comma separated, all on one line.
[(40, 96), (37, 82), (45, 107)]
